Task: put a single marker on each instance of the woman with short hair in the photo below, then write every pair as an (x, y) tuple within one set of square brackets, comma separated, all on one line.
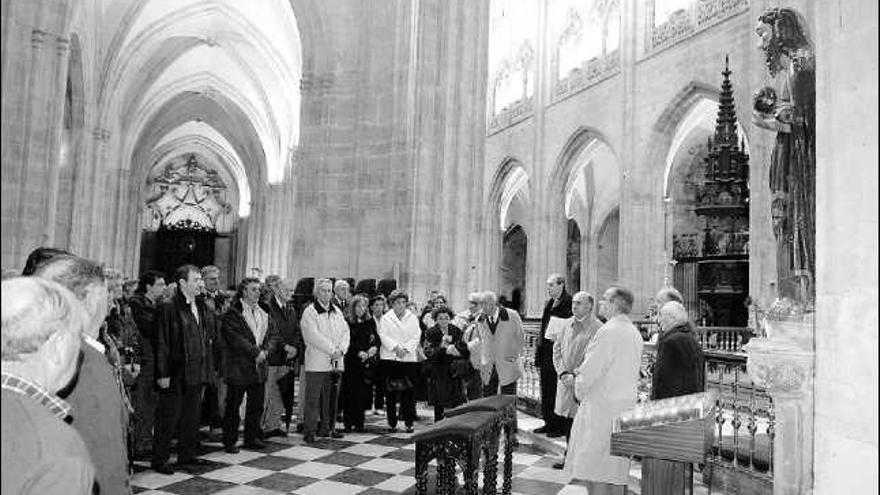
[(399, 333), (448, 361), (360, 363)]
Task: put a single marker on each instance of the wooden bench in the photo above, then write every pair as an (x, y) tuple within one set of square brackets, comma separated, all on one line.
[(503, 408), (459, 440)]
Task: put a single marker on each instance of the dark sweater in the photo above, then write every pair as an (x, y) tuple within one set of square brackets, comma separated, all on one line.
[(679, 368), (100, 417)]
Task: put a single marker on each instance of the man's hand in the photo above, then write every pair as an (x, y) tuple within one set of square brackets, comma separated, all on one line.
[(291, 351), (363, 355), (336, 354), (372, 351), (164, 382), (452, 351), (567, 379), (261, 356)]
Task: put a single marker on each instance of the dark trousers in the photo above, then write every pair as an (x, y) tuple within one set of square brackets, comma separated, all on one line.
[(492, 388), (407, 401), (549, 379), (144, 398), (177, 408), (473, 386), (211, 413), (406, 398), (256, 393), (321, 392), (379, 388)]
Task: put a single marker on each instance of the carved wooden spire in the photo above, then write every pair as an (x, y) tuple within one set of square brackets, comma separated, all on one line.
[(725, 124)]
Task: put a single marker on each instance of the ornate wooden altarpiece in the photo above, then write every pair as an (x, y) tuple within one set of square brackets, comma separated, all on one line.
[(721, 249)]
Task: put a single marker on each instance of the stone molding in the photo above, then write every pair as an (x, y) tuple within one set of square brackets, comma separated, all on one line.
[(683, 24), (38, 37), (513, 114), (779, 367)]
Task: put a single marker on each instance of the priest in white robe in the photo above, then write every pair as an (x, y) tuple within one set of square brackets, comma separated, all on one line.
[(605, 386)]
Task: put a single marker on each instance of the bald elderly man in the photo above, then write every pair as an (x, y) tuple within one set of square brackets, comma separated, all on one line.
[(569, 350)]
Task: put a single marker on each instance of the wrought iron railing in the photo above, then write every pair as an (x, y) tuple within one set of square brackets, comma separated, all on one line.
[(741, 459)]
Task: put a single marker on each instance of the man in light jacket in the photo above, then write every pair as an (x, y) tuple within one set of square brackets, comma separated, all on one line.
[(326, 336), (569, 350), (501, 344), (605, 385)]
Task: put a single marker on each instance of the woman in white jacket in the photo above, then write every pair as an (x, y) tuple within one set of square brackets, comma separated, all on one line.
[(400, 333)]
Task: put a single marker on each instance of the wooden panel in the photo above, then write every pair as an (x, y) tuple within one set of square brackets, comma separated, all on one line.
[(686, 441)]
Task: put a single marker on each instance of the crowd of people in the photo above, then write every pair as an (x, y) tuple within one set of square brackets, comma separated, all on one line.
[(107, 371)]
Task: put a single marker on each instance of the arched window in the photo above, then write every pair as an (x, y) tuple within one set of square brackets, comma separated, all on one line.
[(513, 34), (586, 37)]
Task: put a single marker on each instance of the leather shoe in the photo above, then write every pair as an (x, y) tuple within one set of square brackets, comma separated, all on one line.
[(558, 465), (255, 444), (309, 438), (555, 434), (337, 434), (542, 429), (275, 433), (231, 449), (163, 468), (194, 462)]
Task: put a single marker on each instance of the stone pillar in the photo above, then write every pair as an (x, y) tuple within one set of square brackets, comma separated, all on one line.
[(783, 363)]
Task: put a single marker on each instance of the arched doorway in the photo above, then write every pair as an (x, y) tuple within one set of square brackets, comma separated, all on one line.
[(696, 265), (514, 248), (188, 217), (573, 257), (607, 243)]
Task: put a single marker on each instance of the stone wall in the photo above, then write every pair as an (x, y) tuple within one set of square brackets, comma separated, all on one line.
[(388, 158), (846, 248), (635, 112)]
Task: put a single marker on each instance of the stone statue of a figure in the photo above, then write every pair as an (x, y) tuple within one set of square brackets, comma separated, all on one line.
[(790, 113)]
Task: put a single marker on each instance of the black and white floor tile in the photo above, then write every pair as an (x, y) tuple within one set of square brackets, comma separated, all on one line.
[(370, 463)]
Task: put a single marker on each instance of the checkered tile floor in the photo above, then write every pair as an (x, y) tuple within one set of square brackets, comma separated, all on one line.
[(371, 463)]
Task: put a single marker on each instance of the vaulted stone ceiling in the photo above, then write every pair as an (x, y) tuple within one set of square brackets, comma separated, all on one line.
[(219, 76)]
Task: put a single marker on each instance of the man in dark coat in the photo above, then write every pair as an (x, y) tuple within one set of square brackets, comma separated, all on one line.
[(183, 361), (678, 370), (249, 333), (559, 305), (98, 395), (282, 357), (215, 391), (143, 304)]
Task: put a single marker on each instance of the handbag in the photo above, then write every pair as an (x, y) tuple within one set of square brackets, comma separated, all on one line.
[(400, 384)]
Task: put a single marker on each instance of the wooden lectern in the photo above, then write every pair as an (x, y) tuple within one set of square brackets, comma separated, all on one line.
[(679, 429)]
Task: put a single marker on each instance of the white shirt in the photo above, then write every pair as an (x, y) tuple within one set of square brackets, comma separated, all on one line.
[(193, 308), (257, 320), (94, 344), (494, 318)]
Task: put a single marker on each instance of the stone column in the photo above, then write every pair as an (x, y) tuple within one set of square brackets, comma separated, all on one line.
[(783, 363)]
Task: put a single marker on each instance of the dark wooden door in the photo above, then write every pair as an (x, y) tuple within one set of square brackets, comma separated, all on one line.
[(178, 247)]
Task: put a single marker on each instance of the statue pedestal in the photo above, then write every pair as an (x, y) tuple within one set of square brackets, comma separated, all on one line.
[(783, 363)]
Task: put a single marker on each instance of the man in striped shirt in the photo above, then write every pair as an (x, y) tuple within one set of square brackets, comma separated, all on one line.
[(41, 454)]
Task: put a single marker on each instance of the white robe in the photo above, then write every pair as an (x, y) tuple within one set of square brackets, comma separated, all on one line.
[(606, 385)]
